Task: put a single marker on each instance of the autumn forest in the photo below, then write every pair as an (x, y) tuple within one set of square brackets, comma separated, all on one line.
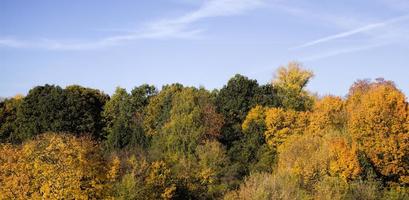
[(243, 141)]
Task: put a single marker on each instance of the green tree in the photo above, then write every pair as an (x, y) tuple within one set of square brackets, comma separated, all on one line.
[(124, 115), (50, 108), (234, 101), (41, 110), (158, 109), (83, 110), (8, 116), (192, 120), (251, 152), (213, 171)]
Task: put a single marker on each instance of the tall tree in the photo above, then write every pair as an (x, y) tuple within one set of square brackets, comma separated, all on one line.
[(378, 121), (234, 101), (290, 82)]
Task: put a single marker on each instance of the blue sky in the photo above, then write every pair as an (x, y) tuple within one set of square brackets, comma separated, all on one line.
[(104, 44)]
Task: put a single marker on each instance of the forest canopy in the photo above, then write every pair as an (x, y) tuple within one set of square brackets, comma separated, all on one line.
[(244, 141)]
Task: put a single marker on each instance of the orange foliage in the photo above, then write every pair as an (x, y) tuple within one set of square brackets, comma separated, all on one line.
[(328, 113), (344, 159), (377, 120)]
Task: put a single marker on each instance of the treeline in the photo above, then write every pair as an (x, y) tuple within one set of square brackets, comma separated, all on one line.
[(244, 141)]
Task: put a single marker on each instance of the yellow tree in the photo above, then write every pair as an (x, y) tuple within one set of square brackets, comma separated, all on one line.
[(282, 123), (377, 121), (53, 166), (313, 157), (344, 160), (290, 82), (305, 156), (328, 114)]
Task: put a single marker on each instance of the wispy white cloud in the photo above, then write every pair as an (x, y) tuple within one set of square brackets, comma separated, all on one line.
[(371, 35), (12, 43), (341, 51), (366, 28), (179, 27)]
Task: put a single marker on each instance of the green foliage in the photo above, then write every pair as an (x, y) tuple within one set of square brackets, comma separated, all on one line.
[(158, 110), (331, 188), (124, 116), (8, 117), (144, 180), (235, 99), (396, 193), (213, 171), (83, 109), (335, 188), (192, 120), (251, 153), (364, 190), (75, 110), (41, 110)]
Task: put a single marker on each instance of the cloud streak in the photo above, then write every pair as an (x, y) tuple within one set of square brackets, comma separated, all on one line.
[(341, 51), (363, 29), (178, 28)]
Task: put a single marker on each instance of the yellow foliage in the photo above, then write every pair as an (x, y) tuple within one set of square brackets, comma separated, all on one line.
[(114, 169), (305, 156), (344, 159), (158, 173), (255, 116), (313, 157), (169, 192), (328, 114), (292, 77), (51, 167), (282, 123), (159, 177), (290, 82)]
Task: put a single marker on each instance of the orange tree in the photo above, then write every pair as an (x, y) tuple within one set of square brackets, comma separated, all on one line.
[(378, 122), (328, 114)]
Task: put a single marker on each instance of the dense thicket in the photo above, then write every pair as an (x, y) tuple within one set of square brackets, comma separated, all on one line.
[(244, 141)]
